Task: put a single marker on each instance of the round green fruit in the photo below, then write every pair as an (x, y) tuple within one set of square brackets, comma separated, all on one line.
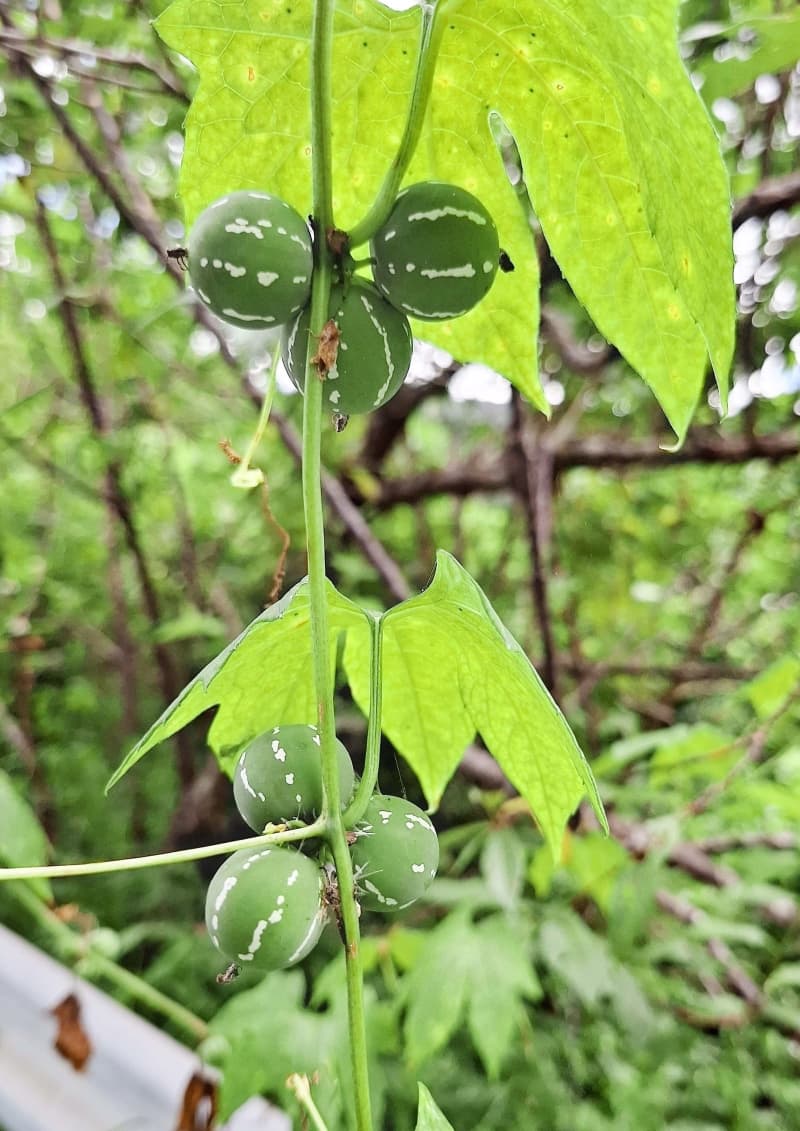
[(250, 259), (395, 854), (373, 353), (265, 907), (279, 777), (437, 254)]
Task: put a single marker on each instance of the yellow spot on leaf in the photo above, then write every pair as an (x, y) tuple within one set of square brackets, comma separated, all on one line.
[(674, 311), (251, 74), (654, 86)]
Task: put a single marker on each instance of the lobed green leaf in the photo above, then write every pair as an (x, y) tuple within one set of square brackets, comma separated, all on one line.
[(451, 668), (263, 678), (618, 154)]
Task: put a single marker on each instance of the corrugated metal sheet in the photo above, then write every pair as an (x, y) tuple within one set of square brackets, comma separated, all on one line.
[(134, 1080)]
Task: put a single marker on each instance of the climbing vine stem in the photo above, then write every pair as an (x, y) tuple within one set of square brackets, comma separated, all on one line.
[(321, 96)]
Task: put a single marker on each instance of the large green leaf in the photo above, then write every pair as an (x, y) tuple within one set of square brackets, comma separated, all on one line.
[(22, 840), (264, 678), (621, 163), (618, 153), (451, 668)]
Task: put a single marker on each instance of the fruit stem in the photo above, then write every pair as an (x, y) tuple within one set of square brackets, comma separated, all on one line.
[(430, 38), (321, 132), (157, 860), (302, 1089), (369, 778), (78, 949)]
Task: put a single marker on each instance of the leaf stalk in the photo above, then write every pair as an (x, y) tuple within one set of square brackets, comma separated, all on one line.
[(430, 39)]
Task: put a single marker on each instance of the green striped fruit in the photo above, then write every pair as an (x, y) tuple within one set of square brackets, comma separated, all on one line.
[(279, 777), (437, 254), (265, 907), (373, 355), (250, 259), (395, 854)]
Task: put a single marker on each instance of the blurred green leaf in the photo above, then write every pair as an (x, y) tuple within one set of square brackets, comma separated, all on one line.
[(760, 45), (503, 860), (479, 970), (22, 840), (770, 690)]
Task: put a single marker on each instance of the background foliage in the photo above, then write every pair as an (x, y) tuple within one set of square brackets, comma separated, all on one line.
[(649, 980)]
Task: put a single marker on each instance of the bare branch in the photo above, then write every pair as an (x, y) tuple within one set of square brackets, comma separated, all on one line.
[(769, 196)]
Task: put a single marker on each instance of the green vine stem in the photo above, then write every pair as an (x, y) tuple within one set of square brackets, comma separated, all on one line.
[(430, 38), (321, 132), (369, 778), (159, 859), (78, 949)]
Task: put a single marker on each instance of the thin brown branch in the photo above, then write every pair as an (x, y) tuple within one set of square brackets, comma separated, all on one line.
[(535, 479), (713, 604), (769, 196), (491, 475), (739, 981), (115, 496), (729, 842), (556, 329), (71, 49)]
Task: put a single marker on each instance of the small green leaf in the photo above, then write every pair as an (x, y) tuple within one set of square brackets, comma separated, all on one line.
[(503, 866), (22, 841), (450, 667), (705, 753), (595, 861), (429, 1117), (264, 678), (770, 690)]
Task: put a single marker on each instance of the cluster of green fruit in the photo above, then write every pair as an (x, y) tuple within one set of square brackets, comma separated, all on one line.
[(266, 907), (251, 262)]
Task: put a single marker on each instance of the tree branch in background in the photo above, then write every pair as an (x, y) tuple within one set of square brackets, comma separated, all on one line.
[(769, 196), (535, 491), (115, 495)]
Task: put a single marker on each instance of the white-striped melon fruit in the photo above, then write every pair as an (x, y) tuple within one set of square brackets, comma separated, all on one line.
[(437, 254), (265, 908), (250, 259), (279, 777), (395, 854), (373, 354)]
